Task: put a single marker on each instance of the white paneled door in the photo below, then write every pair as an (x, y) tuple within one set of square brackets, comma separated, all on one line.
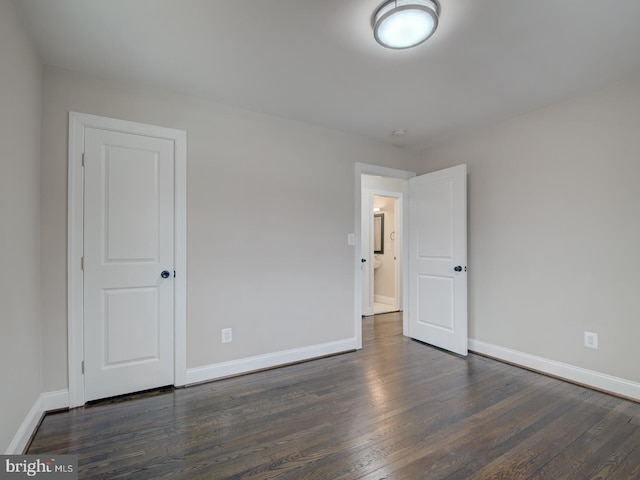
[(438, 259), (128, 263)]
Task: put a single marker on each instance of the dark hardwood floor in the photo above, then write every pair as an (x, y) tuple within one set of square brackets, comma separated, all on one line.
[(398, 409)]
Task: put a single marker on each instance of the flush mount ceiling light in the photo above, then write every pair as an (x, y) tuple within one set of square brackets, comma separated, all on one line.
[(403, 24)]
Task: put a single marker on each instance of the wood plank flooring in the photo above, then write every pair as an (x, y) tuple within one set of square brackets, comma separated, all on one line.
[(397, 409)]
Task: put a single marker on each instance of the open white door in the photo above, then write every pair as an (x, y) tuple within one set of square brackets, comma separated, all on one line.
[(438, 259)]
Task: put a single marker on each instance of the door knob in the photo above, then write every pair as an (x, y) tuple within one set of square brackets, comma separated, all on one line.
[(457, 268), (363, 260), (165, 274)]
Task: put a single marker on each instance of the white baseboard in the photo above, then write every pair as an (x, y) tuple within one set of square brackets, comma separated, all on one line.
[(385, 300), (260, 362), (600, 381), (45, 402)]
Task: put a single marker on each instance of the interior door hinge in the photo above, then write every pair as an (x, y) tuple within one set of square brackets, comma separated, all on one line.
[(83, 159), (82, 366), (82, 263)]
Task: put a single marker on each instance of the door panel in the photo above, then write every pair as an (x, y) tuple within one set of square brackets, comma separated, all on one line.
[(132, 187), (437, 244), (128, 242), (435, 214), (131, 323), (434, 298)]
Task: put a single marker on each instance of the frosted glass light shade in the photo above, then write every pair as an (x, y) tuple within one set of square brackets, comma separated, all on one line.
[(403, 24)]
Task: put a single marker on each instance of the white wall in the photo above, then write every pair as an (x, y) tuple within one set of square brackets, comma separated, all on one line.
[(20, 115), (388, 184), (554, 229), (270, 203)]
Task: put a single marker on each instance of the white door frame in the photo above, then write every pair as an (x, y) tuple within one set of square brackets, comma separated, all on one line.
[(360, 169), (75, 241)]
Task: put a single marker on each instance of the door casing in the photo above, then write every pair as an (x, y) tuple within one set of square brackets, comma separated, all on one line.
[(75, 240)]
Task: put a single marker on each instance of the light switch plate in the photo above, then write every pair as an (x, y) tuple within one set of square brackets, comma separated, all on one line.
[(226, 336)]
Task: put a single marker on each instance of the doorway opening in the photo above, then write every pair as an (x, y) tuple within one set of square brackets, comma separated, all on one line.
[(386, 254), (381, 235), (390, 185), (434, 254)]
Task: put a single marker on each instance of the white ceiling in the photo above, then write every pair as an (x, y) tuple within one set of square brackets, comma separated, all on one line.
[(316, 60)]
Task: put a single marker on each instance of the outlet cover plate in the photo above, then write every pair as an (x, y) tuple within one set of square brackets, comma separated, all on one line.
[(590, 340)]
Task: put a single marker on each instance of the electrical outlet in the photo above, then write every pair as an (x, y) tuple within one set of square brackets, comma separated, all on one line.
[(590, 340), (226, 335)]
